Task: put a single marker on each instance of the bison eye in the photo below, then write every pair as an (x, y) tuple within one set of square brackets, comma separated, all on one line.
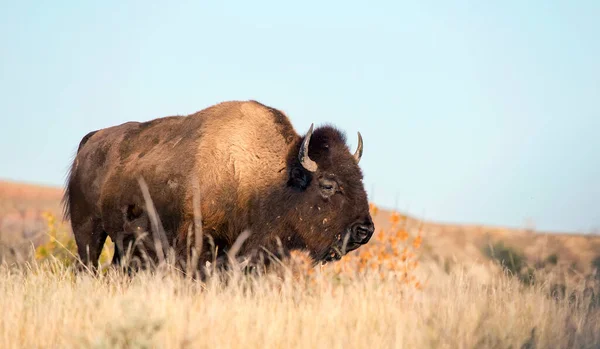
[(328, 187)]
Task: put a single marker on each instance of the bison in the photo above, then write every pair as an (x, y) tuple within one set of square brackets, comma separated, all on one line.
[(236, 166)]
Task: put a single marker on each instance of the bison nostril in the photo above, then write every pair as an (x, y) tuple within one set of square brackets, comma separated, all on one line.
[(362, 233)]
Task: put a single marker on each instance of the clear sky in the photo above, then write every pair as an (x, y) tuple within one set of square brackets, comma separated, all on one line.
[(471, 112)]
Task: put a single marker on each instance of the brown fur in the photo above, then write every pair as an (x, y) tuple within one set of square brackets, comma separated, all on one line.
[(244, 156)]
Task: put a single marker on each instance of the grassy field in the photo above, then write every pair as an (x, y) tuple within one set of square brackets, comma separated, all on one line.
[(414, 285), (49, 306)]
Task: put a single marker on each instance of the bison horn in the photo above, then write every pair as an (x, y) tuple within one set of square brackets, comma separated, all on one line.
[(305, 160), (359, 149)]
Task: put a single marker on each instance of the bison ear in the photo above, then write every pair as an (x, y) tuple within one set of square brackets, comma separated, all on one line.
[(299, 178)]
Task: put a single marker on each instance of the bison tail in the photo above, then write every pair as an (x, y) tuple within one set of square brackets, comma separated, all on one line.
[(66, 199)]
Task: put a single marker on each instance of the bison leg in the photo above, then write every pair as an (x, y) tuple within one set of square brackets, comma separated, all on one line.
[(90, 238), (116, 260), (133, 252)]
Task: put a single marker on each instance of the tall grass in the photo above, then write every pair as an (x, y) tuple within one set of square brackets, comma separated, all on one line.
[(48, 305), (378, 296)]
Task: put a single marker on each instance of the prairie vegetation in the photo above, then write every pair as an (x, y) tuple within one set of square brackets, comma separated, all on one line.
[(47, 305), (398, 291)]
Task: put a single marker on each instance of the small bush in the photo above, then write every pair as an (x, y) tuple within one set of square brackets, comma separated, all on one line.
[(596, 267), (508, 257), (527, 277), (552, 259)]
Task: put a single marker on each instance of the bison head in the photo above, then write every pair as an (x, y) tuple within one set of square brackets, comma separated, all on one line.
[(332, 213)]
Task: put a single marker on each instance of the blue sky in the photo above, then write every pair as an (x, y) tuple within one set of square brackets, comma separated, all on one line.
[(471, 112)]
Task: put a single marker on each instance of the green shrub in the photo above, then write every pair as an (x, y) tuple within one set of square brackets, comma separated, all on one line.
[(552, 259), (509, 258), (596, 267)]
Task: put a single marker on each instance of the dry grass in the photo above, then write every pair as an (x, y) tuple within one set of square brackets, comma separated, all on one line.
[(377, 296), (47, 305)]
